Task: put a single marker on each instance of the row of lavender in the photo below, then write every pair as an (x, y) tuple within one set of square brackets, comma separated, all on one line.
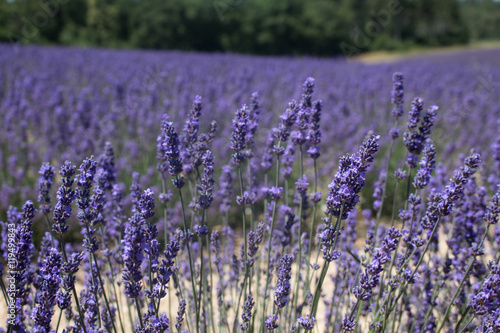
[(299, 266), (58, 104)]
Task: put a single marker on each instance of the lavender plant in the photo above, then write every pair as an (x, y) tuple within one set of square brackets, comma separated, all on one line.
[(227, 237)]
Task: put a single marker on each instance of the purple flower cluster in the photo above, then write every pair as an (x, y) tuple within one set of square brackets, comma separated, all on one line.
[(134, 242), (370, 278), (65, 197), (169, 153), (239, 135), (284, 287), (50, 277), (350, 179), (441, 204), (45, 184), (193, 253), (397, 97)]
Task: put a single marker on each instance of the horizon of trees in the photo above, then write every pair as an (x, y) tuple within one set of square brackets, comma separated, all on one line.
[(295, 27)]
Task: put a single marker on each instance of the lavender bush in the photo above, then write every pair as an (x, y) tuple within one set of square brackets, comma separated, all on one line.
[(314, 220)]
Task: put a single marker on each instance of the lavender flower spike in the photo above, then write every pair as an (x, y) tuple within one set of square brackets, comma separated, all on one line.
[(307, 322), (50, 277), (283, 288), (246, 316), (206, 187), (397, 94), (65, 197), (442, 204), (350, 179), (239, 134), (180, 314), (134, 243), (171, 153), (44, 185)]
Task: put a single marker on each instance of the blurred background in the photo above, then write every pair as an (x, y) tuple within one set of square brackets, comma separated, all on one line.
[(291, 27)]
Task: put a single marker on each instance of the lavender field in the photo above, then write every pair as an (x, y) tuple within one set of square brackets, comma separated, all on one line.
[(150, 191)]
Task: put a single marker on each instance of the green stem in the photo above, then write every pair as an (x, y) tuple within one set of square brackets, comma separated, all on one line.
[(138, 307), (467, 310), (299, 262), (434, 296), (467, 323), (4, 292), (117, 298), (50, 230), (165, 236), (130, 313), (191, 268), (61, 241), (245, 258), (211, 282), (104, 292), (202, 286), (382, 200), (238, 306), (324, 270), (313, 226), (403, 289), (269, 241), (473, 260), (59, 320), (179, 287)]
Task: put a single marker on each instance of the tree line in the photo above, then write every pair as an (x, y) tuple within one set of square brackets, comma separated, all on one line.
[(297, 27)]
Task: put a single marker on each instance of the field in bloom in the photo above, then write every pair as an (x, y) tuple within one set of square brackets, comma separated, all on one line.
[(186, 192)]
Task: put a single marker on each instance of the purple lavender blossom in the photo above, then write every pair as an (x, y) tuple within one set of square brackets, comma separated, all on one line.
[(287, 160), (284, 287), (288, 118), (180, 314), (147, 204), (239, 134), (206, 187), (427, 122), (166, 268), (70, 267), (226, 188), (107, 167), (427, 166), (254, 239), (379, 190), (397, 95), (271, 322), (50, 277), (370, 278), (486, 300), (246, 316), (134, 243), (191, 128), (44, 185), (306, 322), (441, 204), (24, 250), (413, 139), (135, 191), (400, 174), (65, 197), (348, 324), (350, 179), (190, 137), (86, 214), (267, 157), (314, 134), (170, 153), (253, 120)]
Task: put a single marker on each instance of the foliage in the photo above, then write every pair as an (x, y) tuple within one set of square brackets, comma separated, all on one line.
[(316, 27)]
